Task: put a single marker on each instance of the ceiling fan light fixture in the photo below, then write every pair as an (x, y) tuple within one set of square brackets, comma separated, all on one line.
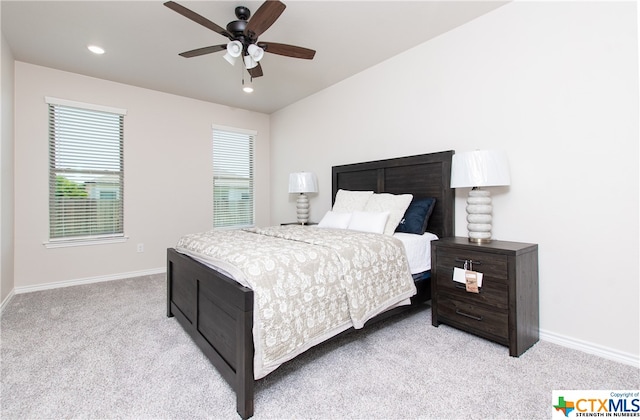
[(234, 49), (255, 52), (249, 62), (243, 34), (231, 60)]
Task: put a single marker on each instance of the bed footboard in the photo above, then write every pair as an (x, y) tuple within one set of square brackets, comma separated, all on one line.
[(217, 312)]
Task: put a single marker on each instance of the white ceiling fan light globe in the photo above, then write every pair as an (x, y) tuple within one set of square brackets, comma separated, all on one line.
[(249, 62), (255, 52), (230, 59), (234, 49)]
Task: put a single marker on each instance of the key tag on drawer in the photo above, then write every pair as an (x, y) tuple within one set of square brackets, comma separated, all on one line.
[(471, 279)]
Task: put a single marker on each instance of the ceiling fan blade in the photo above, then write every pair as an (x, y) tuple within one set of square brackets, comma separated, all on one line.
[(256, 71), (287, 50), (264, 17), (189, 14), (203, 51)]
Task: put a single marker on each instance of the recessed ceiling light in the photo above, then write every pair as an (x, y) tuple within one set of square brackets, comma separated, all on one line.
[(95, 49)]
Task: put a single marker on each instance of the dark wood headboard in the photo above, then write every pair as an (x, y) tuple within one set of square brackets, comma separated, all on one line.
[(423, 176)]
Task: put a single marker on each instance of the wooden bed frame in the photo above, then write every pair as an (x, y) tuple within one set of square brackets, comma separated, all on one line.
[(217, 312)]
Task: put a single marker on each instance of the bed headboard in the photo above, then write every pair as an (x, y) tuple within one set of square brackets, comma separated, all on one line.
[(423, 176)]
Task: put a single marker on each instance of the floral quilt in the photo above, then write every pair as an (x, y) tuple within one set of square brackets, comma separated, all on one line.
[(309, 283)]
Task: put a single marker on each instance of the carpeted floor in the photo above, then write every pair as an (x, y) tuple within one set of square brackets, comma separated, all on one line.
[(107, 350)]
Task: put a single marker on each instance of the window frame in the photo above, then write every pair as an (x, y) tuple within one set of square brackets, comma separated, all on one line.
[(251, 136), (91, 239)]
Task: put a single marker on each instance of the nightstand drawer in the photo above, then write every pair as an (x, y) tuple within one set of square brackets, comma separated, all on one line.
[(493, 267), (475, 318), (492, 293)]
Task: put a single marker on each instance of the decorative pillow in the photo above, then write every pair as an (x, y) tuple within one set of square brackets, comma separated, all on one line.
[(335, 220), (395, 204), (350, 201), (416, 218), (368, 222)]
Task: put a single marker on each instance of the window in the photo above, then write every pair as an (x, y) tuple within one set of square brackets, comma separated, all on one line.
[(86, 175), (233, 204)]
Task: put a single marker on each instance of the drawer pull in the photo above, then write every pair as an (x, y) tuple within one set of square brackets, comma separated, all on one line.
[(460, 260), (477, 318), (468, 264)]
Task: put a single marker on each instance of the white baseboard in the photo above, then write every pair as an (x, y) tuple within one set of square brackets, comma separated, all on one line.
[(76, 282), (88, 280), (591, 348), (6, 300)]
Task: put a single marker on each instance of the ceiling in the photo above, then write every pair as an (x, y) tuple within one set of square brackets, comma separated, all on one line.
[(142, 40)]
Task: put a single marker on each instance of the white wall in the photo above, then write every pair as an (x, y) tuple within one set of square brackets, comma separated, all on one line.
[(168, 174), (555, 85), (6, 173)]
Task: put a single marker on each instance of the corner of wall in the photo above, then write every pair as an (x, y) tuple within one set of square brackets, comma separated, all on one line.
[(7, 77)]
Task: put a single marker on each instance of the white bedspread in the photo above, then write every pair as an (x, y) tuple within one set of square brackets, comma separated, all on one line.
[(309, 284)]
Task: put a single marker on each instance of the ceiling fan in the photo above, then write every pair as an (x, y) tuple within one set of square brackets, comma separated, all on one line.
[(243, 36)]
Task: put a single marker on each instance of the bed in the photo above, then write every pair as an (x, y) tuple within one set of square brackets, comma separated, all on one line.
[(218, 312)]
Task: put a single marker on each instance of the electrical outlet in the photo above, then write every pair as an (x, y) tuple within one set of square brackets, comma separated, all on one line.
[(140, 248)]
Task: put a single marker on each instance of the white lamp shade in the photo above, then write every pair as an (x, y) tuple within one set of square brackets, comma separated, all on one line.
[(480, 168), (255, 52), (303, 182)]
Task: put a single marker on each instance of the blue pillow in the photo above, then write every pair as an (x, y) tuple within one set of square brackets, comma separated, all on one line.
[(416, 218)]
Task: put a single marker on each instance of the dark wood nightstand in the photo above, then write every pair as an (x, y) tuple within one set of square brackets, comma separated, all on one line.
[(506, 308)]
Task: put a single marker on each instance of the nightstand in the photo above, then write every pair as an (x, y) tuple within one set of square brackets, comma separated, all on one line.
[(506, 308)]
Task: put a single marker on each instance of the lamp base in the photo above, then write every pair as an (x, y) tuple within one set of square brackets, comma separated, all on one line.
[(302, 208), (479, 216), (480, 241)]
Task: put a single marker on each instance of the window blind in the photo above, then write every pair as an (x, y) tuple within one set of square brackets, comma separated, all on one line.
[(86, 172), (233, 195)]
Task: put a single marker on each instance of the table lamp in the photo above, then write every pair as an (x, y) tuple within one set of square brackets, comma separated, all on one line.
[(480, 168), (302, 183)]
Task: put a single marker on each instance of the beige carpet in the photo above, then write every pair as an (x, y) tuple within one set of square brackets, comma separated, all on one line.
[(107, 350)]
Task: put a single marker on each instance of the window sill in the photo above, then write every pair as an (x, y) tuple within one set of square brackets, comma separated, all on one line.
[(84, 242)]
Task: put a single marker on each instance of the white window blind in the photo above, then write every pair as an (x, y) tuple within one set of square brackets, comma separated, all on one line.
[(86, 174), (233, 195)]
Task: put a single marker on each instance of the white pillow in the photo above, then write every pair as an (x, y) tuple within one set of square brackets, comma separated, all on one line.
[(395, 204), (350, 201), (368, 222), (335, 220)]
